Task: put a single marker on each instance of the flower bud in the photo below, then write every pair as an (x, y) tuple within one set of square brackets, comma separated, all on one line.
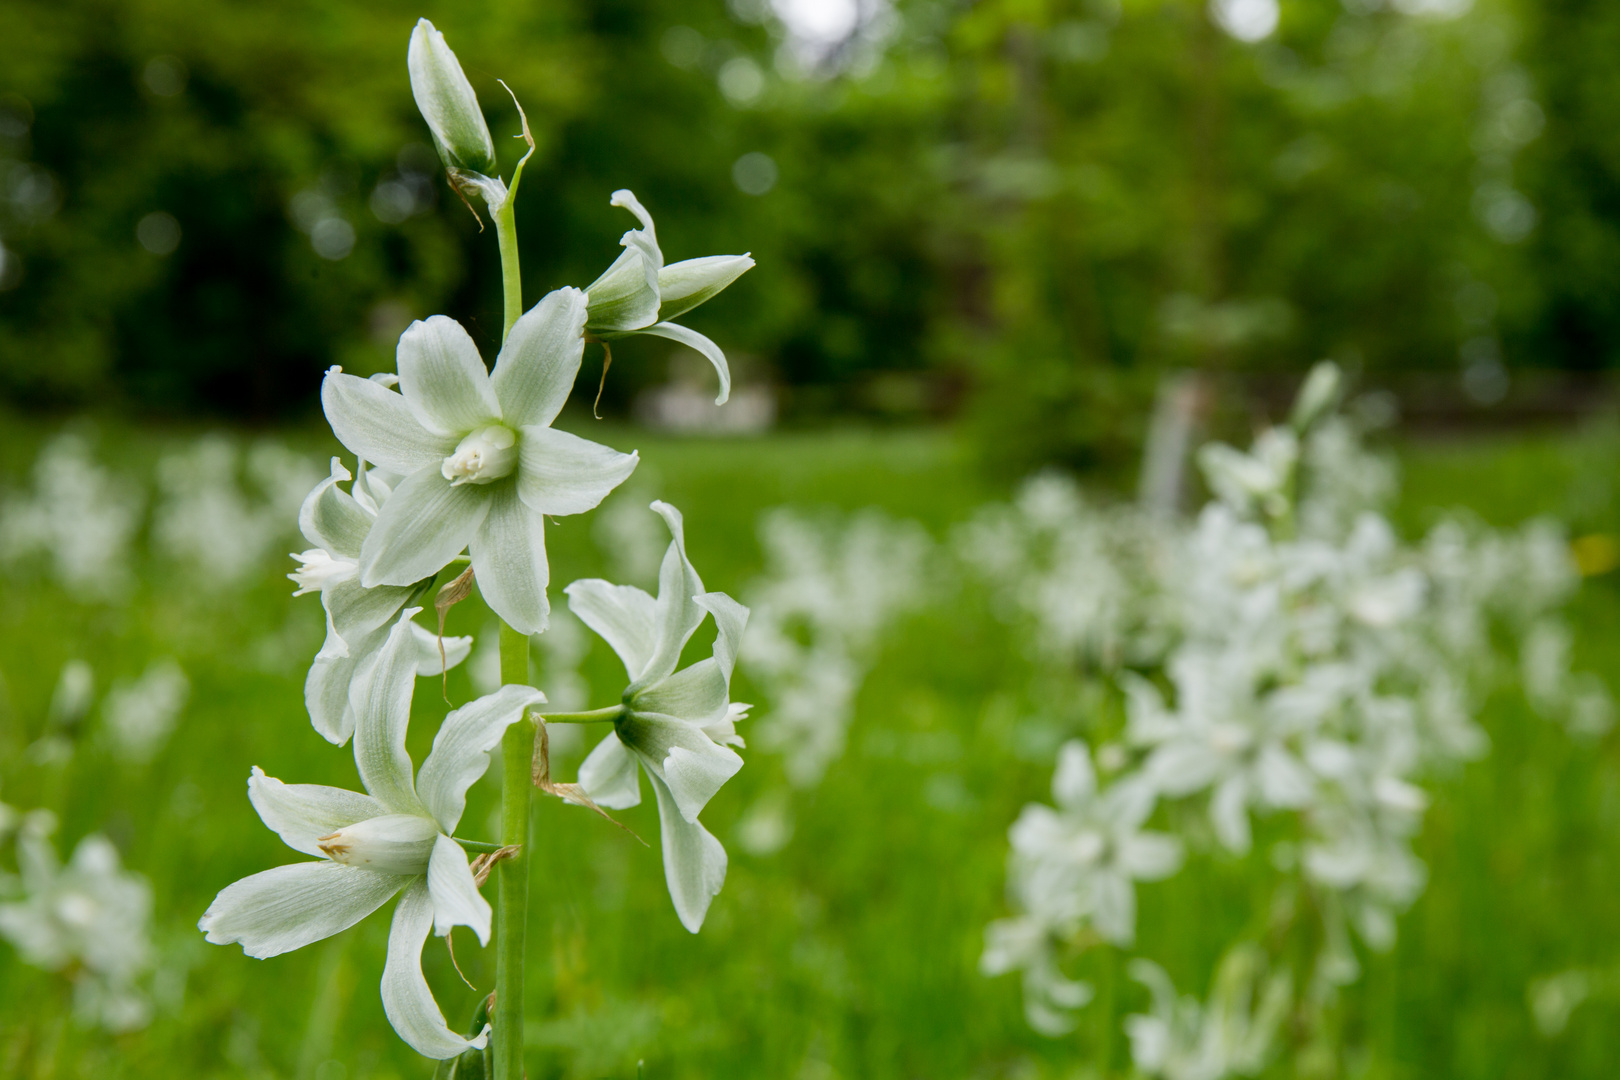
[(390, 844), (448, 103), (683, 286)]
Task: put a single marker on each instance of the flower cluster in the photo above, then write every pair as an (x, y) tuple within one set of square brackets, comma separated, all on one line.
[(459, 463), (830, 591), (1283, 659)]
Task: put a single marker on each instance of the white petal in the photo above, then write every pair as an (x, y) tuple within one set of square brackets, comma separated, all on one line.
[(429, 660), (1182, 767), (289, 907), (698, 694), (407, 1001), (425, 523), (561, 474), (461, 749), (684, 285), (388, 844), (326, 689), (1075, 781), (692, 764), (730, 619), (539, 362), (301, 813), (330, 517), (621, 300), (1229, 812), (1116, 908), (355, 611), (678, 613), (376, 424), (694, 861), (455, 896), (694, 340), (443, 379), (622, 614), (609, 776), (381, 697), (1283, 780), (1149, 856), (509, 561)]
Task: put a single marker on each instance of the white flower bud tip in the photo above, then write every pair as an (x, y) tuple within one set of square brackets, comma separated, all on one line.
[(482, 457), (448, 103), (390, 844)]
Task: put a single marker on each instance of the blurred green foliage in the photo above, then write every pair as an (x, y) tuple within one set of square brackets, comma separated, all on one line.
[(1043, 203)]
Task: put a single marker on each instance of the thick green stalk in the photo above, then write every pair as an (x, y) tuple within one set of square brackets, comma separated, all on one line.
[(512, 895), (511, 275)]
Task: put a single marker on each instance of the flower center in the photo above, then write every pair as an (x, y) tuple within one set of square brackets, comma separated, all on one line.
[(390, 844), (482, 457)]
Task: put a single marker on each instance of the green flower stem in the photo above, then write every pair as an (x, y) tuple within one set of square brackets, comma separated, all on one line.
[(612, 712), (511, 279), (477, 846), (512, 897)]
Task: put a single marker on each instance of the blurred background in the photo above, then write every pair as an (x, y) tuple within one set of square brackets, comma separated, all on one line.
[(992, 238), (1014, 214)]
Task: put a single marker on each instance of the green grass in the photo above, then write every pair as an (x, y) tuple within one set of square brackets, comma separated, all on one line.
[(852, 952)]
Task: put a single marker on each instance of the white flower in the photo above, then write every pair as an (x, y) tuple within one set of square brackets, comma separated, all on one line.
[(1081, 860), (480, 461), (638, 294), (91, 915), (79, 515), (140, 715), (395, 838), (678, 726), (337, 523), (1183, 1040)]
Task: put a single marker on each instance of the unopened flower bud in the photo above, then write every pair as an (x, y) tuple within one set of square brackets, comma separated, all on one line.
[(448, 103)]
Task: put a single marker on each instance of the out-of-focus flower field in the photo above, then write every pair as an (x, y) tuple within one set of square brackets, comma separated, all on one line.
[(924, 651)]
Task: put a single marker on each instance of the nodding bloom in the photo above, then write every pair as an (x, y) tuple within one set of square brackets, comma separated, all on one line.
[(480, 462), (638, 294), (677, 726), (394, 839)]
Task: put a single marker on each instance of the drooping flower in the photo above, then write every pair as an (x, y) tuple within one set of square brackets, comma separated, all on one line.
[(678, 726), (638, 294), (480, 461), (396, 838), (337, 522)]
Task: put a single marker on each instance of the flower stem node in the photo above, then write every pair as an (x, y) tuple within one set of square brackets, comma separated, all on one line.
[(482, 457)]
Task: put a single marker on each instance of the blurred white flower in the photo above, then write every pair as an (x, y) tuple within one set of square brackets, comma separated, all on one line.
[(218, 530), (1181, 1039), (830, 591), (90, 917), (139, 715), (79, 516)]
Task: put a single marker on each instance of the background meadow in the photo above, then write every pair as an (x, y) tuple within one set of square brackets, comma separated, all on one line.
[(1007, 252)]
